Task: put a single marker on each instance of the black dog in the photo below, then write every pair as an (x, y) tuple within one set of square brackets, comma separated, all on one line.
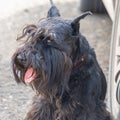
[(57, 61)]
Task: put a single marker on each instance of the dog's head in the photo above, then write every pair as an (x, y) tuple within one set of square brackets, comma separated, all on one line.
[(47, 54)]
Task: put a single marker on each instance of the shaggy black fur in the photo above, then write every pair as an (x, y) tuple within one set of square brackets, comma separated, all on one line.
[(69, 84)]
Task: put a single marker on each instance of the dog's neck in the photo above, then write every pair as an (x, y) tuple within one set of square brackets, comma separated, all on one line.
[(80, 62)]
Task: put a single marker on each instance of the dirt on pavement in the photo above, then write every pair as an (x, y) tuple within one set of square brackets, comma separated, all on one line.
[(15, 99)]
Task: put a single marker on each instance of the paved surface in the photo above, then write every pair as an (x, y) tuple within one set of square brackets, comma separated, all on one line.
[(10, 7)]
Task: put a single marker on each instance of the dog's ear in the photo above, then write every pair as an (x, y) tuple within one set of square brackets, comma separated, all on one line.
[(53, 11), (75, 23)]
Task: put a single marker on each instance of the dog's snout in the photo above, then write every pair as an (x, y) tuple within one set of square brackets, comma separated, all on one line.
[(21, 59)]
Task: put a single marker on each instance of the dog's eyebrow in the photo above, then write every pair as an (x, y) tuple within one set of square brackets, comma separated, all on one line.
[(39, 32), (50, 36), (28, 29), (35, 34), (56, 46)]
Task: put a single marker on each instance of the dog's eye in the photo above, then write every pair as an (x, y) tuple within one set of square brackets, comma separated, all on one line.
[(49, 41), (51, 38)]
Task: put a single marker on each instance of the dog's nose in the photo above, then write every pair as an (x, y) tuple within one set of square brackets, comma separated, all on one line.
[(21, 59)]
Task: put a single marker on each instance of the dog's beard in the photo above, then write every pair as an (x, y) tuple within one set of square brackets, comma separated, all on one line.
[(29, 60), (47, 66), (50, 69)]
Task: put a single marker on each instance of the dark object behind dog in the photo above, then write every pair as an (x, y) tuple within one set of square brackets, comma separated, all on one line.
[(57, 61)]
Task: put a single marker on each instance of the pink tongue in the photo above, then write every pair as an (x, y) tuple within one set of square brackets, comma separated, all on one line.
[(29, 75)]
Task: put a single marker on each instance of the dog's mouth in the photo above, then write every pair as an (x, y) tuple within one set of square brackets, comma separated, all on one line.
[(30, 75)]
